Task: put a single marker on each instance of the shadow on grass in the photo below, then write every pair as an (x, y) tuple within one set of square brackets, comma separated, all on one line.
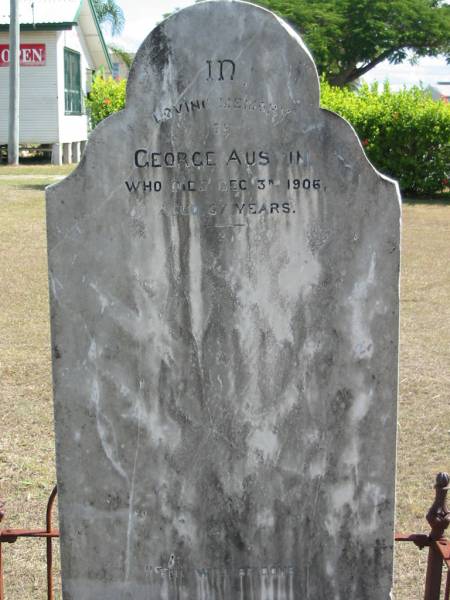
[(441, 199), (40, 187), (19, 185)]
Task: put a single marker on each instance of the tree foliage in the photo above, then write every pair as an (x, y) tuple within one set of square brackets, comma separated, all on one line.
[(350, 37), (108, 11), (125, 56)]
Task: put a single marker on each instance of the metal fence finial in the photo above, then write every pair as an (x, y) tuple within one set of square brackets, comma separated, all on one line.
[(438, 516)]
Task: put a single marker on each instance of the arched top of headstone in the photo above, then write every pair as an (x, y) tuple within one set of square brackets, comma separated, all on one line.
[(231, 61), (169, 61)]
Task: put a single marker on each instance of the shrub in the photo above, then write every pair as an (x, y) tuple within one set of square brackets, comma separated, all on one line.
[(405, 134), (107, 96)]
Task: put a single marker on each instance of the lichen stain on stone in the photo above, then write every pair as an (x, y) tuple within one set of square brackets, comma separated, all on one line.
[(160, 49)]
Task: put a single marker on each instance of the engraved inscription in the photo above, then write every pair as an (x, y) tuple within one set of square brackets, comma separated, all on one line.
[(246, 195), (223, 129), (145, 158), (190, 107), (187, 107), (247, 103), (187, 166), (219, 70), (213, 209), (268, 583)]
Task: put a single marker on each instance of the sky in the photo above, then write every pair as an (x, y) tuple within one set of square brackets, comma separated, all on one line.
[(142, 15)]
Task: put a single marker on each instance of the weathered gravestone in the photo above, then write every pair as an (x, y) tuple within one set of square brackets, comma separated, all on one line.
[(224, 287)]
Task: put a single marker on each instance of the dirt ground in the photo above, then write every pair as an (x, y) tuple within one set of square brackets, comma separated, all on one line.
[(26, 428)]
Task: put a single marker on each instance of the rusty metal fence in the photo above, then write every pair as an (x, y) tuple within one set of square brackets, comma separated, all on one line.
[(438, 546), (10, 536)]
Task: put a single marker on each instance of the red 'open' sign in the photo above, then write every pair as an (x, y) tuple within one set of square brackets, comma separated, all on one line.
[(31, 55)]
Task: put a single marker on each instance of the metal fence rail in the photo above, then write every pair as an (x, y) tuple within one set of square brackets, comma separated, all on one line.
[(438, 546), (10, 536)]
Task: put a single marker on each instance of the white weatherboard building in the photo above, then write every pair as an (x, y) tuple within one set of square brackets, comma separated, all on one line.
[(61, 45)]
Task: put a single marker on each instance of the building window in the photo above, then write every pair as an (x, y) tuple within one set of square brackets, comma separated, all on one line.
[(72, 82)]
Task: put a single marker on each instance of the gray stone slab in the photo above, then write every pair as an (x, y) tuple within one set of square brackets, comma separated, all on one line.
[(224, 293)]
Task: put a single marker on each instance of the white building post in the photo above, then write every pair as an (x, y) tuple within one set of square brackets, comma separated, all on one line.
[(14, 83)]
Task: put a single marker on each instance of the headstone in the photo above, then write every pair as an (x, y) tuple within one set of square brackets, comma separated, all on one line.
[(224, 289)]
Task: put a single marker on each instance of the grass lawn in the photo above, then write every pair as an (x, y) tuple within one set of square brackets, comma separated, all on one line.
[(26, 443), (42, 170)]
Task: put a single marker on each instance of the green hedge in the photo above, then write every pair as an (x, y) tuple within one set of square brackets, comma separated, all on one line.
[(107, 96), (405, 134)]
